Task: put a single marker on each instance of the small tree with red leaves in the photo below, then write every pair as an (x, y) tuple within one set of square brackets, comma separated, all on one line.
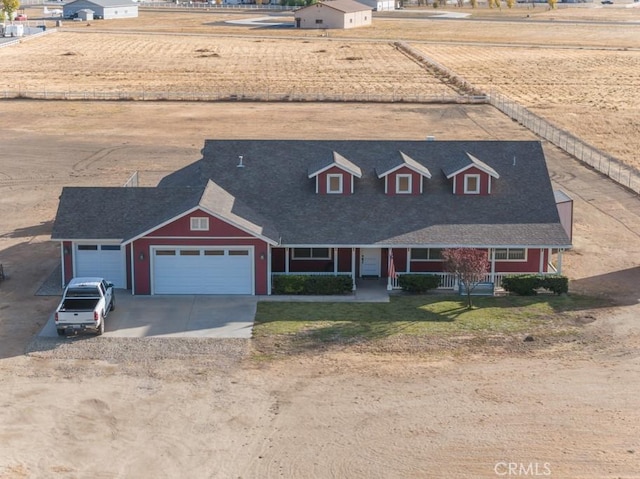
[(469, 265)]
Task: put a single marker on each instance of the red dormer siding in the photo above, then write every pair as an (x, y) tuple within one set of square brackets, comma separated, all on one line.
[(323, 178), (391, 182), (483, 178)]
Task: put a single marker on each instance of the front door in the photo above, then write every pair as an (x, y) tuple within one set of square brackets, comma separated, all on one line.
[(370, 262)]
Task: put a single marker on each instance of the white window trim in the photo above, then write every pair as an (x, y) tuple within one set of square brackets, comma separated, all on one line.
[(526, 255), (330, 176), (199, 223), (410, 178), (420, 260), (312, 258), (467, 191)]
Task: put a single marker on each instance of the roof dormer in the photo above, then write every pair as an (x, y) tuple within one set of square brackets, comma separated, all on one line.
[(335, 176), (403, 176), (471, 176)]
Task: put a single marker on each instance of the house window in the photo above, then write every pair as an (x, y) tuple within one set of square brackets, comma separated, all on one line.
[(403, 184), (199, 223), (319, 21), (87, 247), (426, 254), (189, 252), (472, 184), (311, 253), (334, 184), (511, 254), (110, 247)]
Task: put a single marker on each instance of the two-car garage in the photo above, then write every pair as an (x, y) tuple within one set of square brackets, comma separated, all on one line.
[(202, 270)]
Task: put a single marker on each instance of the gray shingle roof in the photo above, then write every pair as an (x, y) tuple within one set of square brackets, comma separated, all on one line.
[(398, 161), (125, 213), (336, 160), (107, 3), (274, 184), (462, 162), (345, 6)]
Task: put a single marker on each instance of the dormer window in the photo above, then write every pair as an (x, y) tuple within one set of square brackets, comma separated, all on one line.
[(471, 184), (334, 184), (335, 175), (402, 175), (403, 184), (470, 175)]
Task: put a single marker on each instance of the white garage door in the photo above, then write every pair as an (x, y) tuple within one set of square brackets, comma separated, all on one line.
[(102, 261), (212, 270)]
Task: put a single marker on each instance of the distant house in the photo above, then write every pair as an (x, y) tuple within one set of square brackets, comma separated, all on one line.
[(105, 9), (251, 210), (380, 5), (85, 14), (333, 14)]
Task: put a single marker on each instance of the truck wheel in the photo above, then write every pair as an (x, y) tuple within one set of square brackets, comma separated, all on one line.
[(113, 304), (61, 332), (100, 331)]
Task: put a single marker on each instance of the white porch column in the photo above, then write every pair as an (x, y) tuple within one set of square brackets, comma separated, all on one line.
[(269, 276), (408, 267), (493, 265), (286, 260), (541, 265), (559, 266), (353, 267), (335, 261)]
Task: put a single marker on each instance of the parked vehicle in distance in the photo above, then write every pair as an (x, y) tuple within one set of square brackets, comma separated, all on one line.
[(85, 304), (21, 18), (607, 2)]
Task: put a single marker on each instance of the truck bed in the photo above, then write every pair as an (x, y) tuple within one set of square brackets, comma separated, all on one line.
[(79, 304)]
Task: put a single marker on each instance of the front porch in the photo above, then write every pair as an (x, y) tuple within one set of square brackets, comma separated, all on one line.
[(377, 263)]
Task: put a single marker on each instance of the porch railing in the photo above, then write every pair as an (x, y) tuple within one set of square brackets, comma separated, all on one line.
[(448, 280)]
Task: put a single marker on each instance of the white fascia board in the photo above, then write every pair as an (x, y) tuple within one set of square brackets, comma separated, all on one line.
[(340, 167), (91, 240), (423, 245), (200, 208)]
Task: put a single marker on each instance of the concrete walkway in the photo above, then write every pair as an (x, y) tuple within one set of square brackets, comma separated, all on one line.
[(198, 316)]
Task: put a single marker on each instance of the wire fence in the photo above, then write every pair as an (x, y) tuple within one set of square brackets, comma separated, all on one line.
[(604, 163), (239, 95)]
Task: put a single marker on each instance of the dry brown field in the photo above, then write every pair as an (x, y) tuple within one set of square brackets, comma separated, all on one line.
[(577, 67), (568, 408)]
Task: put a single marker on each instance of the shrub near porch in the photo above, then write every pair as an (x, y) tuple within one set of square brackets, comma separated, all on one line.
[(417, 316)]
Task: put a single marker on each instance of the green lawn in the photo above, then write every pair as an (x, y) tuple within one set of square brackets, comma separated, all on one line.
[(414, 315)]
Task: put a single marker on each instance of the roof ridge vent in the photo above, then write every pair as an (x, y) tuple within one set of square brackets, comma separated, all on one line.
[(240, 164)]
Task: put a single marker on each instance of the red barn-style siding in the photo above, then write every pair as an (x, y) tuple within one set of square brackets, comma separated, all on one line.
[(334, 170), (181, 227), (178, 233), (416, 179), (484, 181)]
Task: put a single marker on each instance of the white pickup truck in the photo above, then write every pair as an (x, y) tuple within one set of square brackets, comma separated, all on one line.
[(85, 304)]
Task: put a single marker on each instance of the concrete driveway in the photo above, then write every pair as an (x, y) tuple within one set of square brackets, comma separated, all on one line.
[(191, 316)]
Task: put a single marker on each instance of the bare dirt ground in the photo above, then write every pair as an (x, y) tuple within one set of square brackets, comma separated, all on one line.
[(576, 67), (569, 408)]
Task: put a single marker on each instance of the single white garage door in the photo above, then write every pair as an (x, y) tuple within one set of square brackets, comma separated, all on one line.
[(101, 261), (211, 270)]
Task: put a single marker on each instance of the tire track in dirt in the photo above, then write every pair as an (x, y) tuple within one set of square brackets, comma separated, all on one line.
[(101, 154)]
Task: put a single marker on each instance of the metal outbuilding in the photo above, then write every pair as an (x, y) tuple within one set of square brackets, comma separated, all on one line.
[(336, 14), (102, 9), (85, 14)]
